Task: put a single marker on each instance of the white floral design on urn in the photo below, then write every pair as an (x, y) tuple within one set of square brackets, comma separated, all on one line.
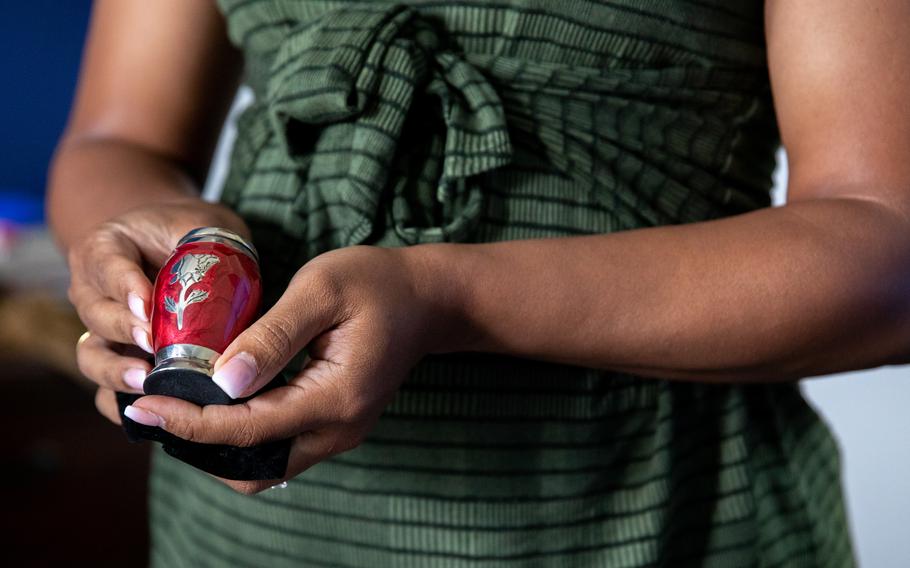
[(188, 270)]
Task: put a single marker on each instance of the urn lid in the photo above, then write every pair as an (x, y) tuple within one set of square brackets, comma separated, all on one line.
[(223, 236)]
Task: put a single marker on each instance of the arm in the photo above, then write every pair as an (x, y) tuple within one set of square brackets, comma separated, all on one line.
[(156, 81), (817, 286)]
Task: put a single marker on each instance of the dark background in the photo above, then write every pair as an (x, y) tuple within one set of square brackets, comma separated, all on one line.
[(73, 489)]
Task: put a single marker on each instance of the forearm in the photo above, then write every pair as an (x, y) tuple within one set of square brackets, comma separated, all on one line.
[(814, 287), (95, 179)]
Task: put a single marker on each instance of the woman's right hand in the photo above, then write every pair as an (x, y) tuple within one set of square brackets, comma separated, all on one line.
[(111, 272)]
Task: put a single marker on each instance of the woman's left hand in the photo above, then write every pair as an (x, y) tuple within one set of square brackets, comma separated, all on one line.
[(366, 316)]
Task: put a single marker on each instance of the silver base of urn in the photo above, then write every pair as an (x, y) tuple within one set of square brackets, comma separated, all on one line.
[(185, 371)]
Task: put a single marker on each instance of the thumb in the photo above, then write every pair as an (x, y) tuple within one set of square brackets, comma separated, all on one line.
[(261, 351)]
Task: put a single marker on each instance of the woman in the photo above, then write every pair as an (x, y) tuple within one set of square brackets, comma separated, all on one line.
[(549, 316)]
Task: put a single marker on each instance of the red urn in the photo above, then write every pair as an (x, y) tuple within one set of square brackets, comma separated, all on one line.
[(207, 292)]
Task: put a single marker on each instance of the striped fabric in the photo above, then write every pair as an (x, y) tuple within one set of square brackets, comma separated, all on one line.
[(396, 124)]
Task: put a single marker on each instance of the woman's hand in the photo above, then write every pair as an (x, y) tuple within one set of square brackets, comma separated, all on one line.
[(111, 290), (366, 315)]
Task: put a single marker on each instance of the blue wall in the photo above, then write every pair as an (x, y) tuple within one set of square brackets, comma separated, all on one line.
[(40, 48)]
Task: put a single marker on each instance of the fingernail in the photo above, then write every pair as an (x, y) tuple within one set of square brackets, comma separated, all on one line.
[(142, 339), (143, 417), (137, 306), (134, 378), (235, 376)]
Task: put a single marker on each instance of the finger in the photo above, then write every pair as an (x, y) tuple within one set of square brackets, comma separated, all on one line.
[(309, 306), (109, 263), (106, 403), (112, 321), (115, 266), (274, 415), (307, 449), (98, 361)]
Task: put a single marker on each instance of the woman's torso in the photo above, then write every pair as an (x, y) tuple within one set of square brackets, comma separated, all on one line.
[(479, 121)]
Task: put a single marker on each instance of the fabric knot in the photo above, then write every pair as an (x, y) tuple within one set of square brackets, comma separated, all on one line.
[(373, 105)]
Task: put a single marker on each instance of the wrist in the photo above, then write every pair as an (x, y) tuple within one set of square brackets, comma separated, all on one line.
[(93, 180), (438, 273)]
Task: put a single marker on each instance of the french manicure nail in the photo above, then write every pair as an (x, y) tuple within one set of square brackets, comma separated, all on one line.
[(134, 378), (143, 417), (235, 376), (142, 339), (137, 305)]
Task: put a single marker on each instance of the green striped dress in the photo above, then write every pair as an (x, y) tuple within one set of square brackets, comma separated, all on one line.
[(395, 124)]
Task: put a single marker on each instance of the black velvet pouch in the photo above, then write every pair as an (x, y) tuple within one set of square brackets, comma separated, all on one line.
[(265, 461)]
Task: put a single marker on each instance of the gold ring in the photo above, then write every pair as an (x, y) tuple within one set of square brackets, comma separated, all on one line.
[(82, 338)]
